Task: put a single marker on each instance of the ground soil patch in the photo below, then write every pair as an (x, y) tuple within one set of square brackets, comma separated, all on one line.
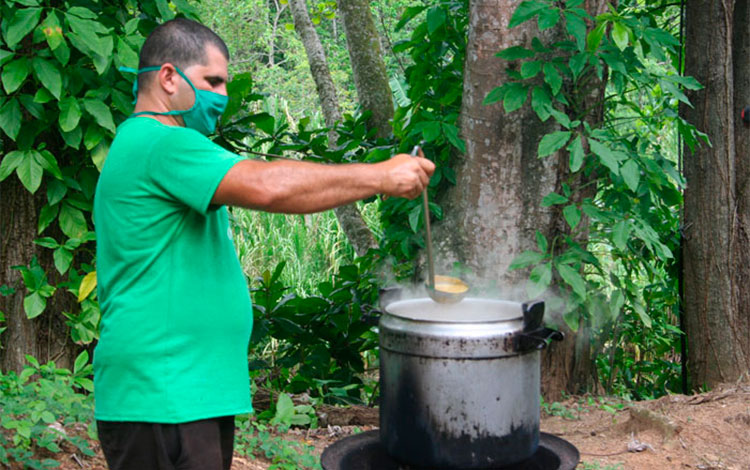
[(710, 431)]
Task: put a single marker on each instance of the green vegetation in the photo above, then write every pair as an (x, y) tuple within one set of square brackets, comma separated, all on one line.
[(314, 300), (43, 408)]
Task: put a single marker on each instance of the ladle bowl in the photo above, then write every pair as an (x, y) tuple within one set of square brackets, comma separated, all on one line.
[(447, 290)]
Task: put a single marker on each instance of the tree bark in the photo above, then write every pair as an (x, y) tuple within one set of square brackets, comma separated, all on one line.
[(45, 337), (494, 211), (349, 217), (366, 56), (716, 271)]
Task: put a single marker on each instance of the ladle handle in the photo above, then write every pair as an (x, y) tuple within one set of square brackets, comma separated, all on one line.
[(430, 265)]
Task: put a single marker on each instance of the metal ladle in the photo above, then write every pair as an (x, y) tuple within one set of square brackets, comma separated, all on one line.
[(441, 289)]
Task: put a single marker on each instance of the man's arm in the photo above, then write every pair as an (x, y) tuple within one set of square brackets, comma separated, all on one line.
[(297, 187)]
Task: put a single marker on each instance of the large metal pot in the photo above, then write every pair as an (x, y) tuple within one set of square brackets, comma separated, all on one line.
[(460, 383)]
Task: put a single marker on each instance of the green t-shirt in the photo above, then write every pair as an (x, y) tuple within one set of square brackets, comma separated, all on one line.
[(176, 312)]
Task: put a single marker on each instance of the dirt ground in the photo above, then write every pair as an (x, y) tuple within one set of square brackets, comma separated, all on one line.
[(710, 431)]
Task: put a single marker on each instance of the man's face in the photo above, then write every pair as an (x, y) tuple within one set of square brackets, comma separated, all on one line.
[(212, 76)]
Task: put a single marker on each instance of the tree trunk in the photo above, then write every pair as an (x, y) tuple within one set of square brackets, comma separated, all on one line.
[(370, 77), (741, 59), (493, 212), (349, 217), (716, 271), (44, 337)]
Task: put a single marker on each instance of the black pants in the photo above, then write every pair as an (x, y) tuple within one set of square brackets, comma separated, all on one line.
[(197, 445)]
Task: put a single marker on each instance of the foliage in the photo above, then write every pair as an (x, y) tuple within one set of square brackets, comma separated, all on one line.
[(429, 116), (633, 213), (60, 101), (260, 440), (39, 405), (319, 340)]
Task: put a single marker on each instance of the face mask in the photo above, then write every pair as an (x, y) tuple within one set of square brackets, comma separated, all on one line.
[(204, 113)]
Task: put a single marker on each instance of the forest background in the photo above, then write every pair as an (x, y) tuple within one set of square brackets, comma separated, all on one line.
[(579, 180)]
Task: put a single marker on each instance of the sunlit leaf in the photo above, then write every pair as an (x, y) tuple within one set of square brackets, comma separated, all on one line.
[(88, 284), (553, 142)]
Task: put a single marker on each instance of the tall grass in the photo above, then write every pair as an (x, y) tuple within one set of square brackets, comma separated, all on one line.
[(313, 246)]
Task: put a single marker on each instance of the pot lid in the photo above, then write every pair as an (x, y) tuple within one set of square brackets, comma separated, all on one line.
[(470, 310)]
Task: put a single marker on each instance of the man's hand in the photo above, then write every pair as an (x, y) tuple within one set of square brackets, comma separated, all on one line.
[(406, 176)]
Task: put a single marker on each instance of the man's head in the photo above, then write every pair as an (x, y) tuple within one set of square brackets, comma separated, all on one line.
[(180, 42)]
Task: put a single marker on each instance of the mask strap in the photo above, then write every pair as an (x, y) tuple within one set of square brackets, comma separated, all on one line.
[(153, 69)]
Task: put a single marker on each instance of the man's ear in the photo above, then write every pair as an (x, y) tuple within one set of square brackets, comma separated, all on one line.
[(168, 78)]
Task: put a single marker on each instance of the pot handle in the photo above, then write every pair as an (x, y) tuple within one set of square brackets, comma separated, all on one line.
[(533, 314), (538, 339)]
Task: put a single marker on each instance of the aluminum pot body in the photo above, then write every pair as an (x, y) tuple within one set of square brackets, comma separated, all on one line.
[(457, 394)]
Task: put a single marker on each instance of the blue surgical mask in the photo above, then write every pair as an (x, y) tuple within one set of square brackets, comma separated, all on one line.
[(204, 113)]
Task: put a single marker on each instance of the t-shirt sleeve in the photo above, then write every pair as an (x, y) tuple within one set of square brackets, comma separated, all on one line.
[(188, 167)]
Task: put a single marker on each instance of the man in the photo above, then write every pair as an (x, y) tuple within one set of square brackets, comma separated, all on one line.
[(170, 368)]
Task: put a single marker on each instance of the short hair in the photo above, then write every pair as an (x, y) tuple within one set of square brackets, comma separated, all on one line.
[(181, 42)]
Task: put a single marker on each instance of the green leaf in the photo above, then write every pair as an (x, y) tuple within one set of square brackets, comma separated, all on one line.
[(616, 302), (88, 284), (85, 38), (164, 11), (415, 215), (56, 191), (21, 23), (525, 259), (10, 162), (515, 97), (47, 242), (47, 73), (540, 279), (5, 56), (530, 69), (46, 216), (14, 74), (548, 18), (573, 279), (606, 156), (70, 114), (431, 131), (631, 173), (82, 12), (451, 132), (72, 222), (576, 27), (620, 235), (435, 19), (80, 362), (34, 304), (620, 35), (42, 96), (99, 154), (576, 63), (128, 57), (515, 53), (29, 171), (560, 117), (525, 11), (541, 102), (552, 77), (94, 135), (595, 36), (52, 30), (576, 154), (48, 161), (62, 258), (638, 307), (541, 241), (101, 113), (497, 94), (572, 215), (62, 54), (552, 199), (10, 118), (553, 142)]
